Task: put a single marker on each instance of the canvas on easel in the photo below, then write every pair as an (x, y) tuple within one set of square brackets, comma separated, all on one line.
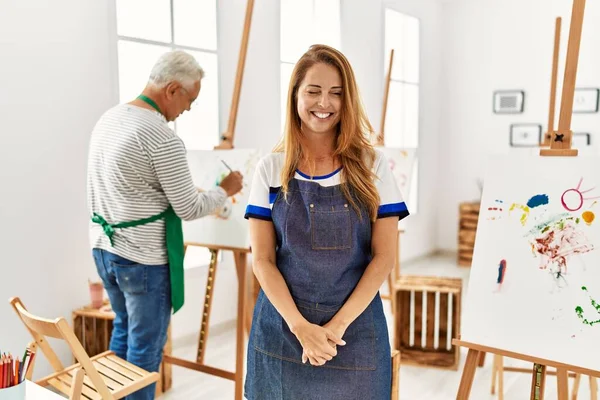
[(227, 226), (534, 281)]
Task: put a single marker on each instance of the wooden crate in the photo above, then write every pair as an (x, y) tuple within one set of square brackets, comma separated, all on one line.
[(423, 293), (467, 227), (93, 328)]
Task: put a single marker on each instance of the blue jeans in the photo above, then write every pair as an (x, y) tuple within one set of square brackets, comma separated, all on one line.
[(140, 296)]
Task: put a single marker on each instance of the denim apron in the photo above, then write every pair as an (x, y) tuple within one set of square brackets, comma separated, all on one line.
[(323, 249)]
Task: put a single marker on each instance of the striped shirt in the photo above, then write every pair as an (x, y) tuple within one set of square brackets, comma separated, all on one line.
[(137, 166)]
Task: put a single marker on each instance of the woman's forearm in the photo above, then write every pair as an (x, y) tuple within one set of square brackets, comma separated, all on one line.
[(272, 283), (368, 286)]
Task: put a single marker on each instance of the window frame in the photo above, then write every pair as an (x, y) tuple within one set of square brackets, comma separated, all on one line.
[(414, 197), (117, 38)]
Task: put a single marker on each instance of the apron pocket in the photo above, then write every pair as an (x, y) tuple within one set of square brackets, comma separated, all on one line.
[(273, 337), (332, 229)]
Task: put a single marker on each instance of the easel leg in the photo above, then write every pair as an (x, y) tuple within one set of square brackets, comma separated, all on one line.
[(562, 378), (576, 383), (210, 286), (494, 373), (252, 289), (538, 380), (500, 377), (593, 388), (466, 382), (481, 360), (395, 374), (240, 265)]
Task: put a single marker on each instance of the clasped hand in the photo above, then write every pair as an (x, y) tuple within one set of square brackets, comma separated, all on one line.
[(319, 342)]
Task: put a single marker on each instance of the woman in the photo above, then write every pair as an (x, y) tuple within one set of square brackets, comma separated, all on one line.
[(323, 215)]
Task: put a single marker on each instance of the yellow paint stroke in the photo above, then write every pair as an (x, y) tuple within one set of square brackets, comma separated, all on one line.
[(588, 217), (523, 208)]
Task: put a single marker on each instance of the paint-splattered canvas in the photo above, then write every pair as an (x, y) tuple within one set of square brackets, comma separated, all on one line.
[(401, 162), (535, 276), (227, 226)]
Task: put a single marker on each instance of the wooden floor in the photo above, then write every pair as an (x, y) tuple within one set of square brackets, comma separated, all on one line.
[(415, 383)]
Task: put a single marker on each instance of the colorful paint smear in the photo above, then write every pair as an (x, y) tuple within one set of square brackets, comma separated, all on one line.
[(496, 210), (537, 200), (523, 208), (556, 242), (579, 310), (553, 237), (588, 217)]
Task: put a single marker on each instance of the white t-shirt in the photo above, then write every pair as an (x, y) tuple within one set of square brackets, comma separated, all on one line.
[(267, 183)]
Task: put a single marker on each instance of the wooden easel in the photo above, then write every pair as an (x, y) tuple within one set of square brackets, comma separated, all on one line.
[(380, 141), (560, 146), (547, 138), (498, 367), (239, 254)]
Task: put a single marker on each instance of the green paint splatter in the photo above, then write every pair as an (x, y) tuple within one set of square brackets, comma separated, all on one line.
[(579, 310), (577, 220)]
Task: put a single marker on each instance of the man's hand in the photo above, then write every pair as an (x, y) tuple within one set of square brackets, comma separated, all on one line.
[(233, 183)]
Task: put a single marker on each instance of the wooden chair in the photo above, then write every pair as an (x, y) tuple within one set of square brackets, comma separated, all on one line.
[(107, 377), (77, 386)]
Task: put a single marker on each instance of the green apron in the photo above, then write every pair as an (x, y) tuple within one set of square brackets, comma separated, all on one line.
[(175, 248), (174, 239)]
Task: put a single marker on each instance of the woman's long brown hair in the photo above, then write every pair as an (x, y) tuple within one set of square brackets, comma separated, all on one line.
[(353, 146)]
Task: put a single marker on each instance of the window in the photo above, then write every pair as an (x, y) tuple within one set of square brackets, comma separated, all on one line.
[(147, 29), (304, 23), (402, 117)]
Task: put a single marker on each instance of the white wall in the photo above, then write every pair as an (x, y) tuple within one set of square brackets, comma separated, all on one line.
[(363, 43), (54, 84), (493, 45)]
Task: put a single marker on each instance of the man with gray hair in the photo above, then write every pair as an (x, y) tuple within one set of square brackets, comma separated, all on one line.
[(139, 188)]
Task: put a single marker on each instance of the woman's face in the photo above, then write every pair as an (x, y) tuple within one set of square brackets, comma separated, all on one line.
[(320, 99)]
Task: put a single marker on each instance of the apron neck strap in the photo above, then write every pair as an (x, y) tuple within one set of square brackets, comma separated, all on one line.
[(150, 102)]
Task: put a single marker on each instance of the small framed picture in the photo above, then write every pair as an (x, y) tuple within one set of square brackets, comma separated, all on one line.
[(525, 135), (580, 140), (509, 101), (586, 100)]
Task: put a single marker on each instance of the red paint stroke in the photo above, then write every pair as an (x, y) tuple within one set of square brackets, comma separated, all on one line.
[(557, 244), (494, 209)]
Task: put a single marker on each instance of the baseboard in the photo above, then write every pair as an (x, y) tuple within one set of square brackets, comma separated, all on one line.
[(192, 338)]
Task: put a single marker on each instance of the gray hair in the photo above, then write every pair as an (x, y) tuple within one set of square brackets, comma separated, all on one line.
[(176, 65)]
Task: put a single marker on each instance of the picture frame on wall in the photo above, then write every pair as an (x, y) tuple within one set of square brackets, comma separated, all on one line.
[(581, 140), (586, 100), (509, 101), (525, 135)]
